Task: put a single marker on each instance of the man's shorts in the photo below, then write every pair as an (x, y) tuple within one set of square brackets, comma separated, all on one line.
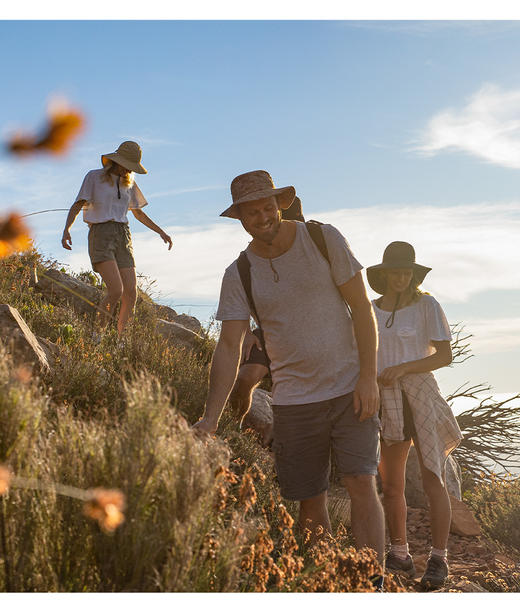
[(305, 435), (110, 240), (257, 356)]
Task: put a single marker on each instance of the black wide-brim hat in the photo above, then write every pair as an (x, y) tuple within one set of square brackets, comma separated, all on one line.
[(397, 255)]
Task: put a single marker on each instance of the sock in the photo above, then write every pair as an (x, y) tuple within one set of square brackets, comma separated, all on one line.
[(400, 551), (440, 553)]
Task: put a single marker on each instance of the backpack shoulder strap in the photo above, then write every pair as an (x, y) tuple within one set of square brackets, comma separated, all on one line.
[(244, 270), (316, 233)]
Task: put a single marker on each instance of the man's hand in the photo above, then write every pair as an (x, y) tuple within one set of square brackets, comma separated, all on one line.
[(166, 238), (390, 375), (366, 398), (66, 240), (205, 427), (250, 340)]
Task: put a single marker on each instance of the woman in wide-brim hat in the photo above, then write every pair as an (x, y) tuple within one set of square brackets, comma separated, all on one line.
[(414, 339), (106, 196)]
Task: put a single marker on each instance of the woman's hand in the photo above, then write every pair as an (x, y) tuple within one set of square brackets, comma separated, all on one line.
[(66, 240), (390, 375), (166, 238)]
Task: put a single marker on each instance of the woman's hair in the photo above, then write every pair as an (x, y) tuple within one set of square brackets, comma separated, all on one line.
[(127, 180)]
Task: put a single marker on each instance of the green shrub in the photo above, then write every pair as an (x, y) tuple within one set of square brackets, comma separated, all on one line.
[(497, 507)]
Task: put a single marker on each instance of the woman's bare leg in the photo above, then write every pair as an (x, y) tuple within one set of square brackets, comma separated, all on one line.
[(440, 506), (110, 274), (128, 298), (392, 470)]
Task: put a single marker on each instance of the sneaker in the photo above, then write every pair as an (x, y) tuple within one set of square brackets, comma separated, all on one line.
[(435, 574), (378, 582), (399, 566)]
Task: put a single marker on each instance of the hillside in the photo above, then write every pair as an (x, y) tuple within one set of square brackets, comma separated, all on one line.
[(81, 411)]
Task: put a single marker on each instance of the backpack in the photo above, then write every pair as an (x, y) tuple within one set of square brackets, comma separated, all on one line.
[(244, 269)]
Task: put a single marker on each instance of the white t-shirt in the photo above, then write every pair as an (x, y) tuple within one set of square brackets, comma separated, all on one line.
[(103, 203), (308, 333), (411, 334)]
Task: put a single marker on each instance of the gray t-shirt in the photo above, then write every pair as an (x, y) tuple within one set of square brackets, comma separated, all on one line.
[(308, 332)]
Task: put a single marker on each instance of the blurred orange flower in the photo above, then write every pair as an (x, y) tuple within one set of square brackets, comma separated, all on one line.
[(5, 479), (14, 235), (106, 506), (63, 125)]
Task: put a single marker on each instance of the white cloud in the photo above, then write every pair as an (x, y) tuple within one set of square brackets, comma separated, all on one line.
[(493, 335), (488, 127), (471, 248)]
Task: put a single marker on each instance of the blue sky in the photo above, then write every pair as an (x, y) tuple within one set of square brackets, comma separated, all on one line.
[(391, 130)]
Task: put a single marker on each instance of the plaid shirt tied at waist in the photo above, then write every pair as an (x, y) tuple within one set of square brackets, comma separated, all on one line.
[(437, 430)]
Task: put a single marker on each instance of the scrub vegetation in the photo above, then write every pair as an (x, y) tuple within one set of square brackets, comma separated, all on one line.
[(200, 515)]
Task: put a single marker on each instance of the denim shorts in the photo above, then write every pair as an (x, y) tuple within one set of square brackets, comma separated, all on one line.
[(305, 435), (110, 240)]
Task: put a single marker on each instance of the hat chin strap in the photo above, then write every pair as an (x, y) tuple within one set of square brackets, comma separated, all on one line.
[(390, 321)]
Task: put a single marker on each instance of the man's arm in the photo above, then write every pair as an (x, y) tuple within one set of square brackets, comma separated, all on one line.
[(366, 394), (223, 372), (144, 219)]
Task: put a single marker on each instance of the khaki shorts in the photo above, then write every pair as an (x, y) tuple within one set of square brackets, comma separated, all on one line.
[(110, 240), (306, 434)]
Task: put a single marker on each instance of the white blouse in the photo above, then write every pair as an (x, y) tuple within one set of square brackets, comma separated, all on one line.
[(103, 203), (411, 335)]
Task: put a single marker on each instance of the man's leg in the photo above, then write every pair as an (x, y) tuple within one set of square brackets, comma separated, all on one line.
[(249, 376), (367, 518), (314, 513)]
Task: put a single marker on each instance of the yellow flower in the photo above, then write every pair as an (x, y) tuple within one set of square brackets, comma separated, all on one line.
[(14, 235), (106, 506), (62, 127), (5, 479)]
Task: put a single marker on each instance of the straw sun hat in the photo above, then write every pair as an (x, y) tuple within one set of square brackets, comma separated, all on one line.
[(397, 255), (255, 185), (128, 155)]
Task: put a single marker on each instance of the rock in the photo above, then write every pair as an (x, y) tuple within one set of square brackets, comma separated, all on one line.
[(260, 415), (500, 558), (168, 314), (463, 521), (19, 340), (58, 286), (464, 585), (164, 312), (178, 335), (415, 496), (192, 323), (50, 349)]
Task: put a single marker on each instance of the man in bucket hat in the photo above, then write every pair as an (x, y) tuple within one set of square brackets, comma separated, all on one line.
[(323, 362)]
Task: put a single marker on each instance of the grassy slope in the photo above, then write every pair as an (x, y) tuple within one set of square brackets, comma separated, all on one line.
[(200, 516)]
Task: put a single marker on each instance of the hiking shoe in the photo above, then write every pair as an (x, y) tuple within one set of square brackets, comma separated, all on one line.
[(435, 574), (378, 582), (399, 566)]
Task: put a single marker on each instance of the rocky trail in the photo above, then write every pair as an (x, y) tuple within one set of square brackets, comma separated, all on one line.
[(476, 565)]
